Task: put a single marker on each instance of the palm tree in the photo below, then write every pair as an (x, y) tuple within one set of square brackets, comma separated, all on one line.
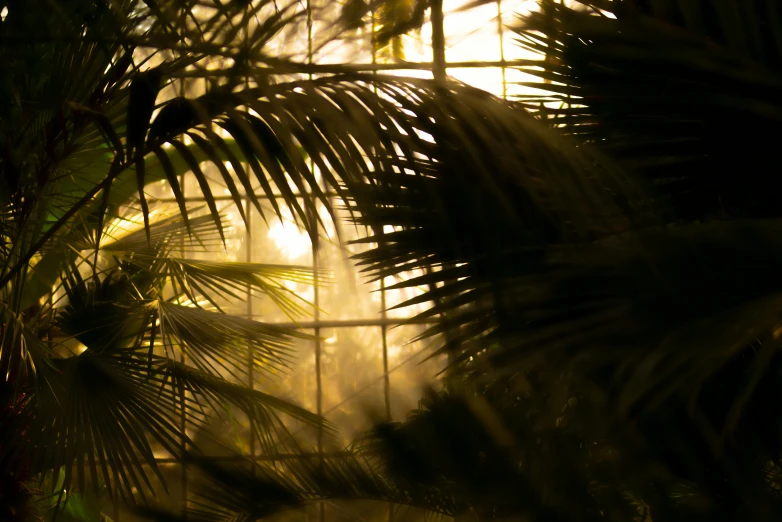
[(609, 303), (666, 336), (113, 340)]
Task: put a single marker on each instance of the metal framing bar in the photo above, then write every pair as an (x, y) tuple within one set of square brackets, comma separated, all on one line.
[(500, 34), (183, 418), (438, 68), (438, 41)]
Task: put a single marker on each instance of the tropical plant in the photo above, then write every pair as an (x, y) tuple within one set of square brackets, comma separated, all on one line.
[(620, 351), (112, 345), (671, 332)]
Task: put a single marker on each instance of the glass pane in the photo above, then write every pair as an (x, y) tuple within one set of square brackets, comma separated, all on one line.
[(309, 513), (411, 73), (291, 41), (297, 384), (168, 409), (352, 379), (158, 190), (172, 499), (326, 25), (402, 513), (233, 229), (414, 47), (234, 250), (226, 431), (350, 294), (357, 510), (511, 20), (471, 35), (410, 368), (281, 242), (418, 45), (354, 47), (515, 78), (200, 489), (487, 78), (216, 181), (398, 296)]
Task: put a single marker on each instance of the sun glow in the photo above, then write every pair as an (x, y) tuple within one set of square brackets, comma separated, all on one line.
[(289, 238)]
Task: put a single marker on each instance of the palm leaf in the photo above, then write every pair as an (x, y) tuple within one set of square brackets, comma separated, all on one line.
[(212, 280), (210, 338), (683, 92)]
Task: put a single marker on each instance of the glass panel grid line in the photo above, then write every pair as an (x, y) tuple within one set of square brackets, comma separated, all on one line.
[(438, 66)]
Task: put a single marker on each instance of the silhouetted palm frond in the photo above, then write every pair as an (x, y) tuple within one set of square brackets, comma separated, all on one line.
[(682, 92), (110, 341)]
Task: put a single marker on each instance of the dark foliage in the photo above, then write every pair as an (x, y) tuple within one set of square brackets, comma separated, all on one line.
[(612, 319)]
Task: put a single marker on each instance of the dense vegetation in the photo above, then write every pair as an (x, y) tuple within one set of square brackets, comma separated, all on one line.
[(600, 258)]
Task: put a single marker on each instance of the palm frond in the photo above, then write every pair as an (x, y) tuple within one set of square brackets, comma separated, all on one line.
[(211, 280), (682, 92), (103, 412), (443, 459), (210, 338), (262, 410), (99, 417)]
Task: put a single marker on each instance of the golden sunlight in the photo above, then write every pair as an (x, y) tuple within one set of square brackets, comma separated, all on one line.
[(289, 238)]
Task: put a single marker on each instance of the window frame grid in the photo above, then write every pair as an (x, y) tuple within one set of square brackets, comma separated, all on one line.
[(438, 67)]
